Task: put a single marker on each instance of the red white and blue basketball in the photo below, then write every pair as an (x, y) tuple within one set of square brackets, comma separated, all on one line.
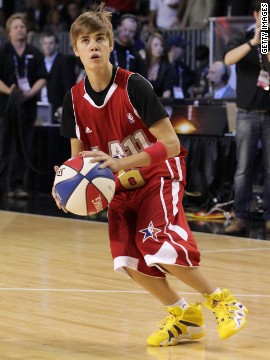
[(82, 187)]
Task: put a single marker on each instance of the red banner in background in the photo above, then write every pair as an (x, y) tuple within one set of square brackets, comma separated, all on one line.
[(225, 28)]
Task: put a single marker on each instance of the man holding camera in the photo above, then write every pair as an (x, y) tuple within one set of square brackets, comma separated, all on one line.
[(253, 118)]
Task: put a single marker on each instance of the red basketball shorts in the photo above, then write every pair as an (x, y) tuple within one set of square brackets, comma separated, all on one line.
[(148, 227)]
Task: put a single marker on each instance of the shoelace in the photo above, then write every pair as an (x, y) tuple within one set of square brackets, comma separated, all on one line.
[(161, 324)]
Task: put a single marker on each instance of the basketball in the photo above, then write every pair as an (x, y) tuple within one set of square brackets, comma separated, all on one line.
[(82, 188)]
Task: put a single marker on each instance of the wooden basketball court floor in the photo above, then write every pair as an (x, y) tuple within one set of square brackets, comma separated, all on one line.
[(61, 299)]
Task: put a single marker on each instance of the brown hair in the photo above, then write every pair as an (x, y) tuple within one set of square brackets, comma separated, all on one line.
[(257, 4), (15, 16), (95, 20), (148, 45)]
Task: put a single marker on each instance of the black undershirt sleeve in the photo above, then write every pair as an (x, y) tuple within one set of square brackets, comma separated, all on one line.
[(144, 100), (68, 126)]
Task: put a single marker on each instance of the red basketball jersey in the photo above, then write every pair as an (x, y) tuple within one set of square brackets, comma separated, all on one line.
[(116, 129)]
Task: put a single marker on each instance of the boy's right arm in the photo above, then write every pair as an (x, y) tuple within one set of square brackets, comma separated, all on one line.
[(76, 147)]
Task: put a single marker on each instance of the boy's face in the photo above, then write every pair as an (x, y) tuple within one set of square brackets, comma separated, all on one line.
[(93, 49)]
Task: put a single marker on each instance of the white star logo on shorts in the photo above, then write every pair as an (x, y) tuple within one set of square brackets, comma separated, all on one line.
[(150, 232), (87, 130)]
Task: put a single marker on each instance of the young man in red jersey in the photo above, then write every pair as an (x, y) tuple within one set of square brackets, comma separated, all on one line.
[(114, 116)]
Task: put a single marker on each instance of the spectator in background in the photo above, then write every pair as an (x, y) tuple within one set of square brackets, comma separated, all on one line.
[(2, 21), (61, 75), (194, 14), (234, 8), (124, 53), (240, 7), (143, 14), (73, 11), (160, 73), (218, 77), (184, 77), (54, 4), (201, 86), (54, 22), (37, 15), (163, 14), (253, 119), (22, 75), (8, 7)]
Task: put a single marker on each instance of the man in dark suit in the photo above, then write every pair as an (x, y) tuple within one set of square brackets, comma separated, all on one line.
[(61, 73), (184, 77)]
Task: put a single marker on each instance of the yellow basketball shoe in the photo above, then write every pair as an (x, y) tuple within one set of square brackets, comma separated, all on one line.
[(230, 314), (180, 324)]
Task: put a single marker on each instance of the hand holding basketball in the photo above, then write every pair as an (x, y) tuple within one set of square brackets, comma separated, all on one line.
[(54, 193), (83, 187), (100, 156)]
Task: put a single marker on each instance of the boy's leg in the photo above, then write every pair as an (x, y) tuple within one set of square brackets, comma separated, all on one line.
[(158, 287), (183, 322), (192, 277), (164, 238)]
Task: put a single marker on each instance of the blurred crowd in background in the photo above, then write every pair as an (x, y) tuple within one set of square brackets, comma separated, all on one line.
[(159, 58), (58, 15)]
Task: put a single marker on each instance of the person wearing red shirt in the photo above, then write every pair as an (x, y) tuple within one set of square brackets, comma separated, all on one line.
[(122, 6), (130, 132)]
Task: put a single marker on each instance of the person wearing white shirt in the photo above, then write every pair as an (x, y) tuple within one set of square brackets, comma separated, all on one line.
[(50, 50), (164, 14)]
